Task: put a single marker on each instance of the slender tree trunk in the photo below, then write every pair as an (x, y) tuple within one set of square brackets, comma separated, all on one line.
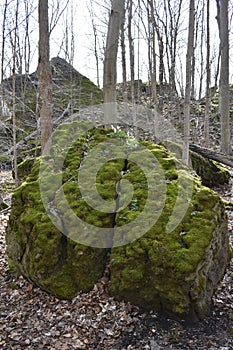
[(45, 78), (216, 78), (139, 90), (96, 56), (188, 82), (201, 48), (123, 59), (207, 108), (161, 62), (91, 12), (72, 47), (161, 59), (174, 18), (153, 77), (219, 53), (224, 106), (3, 57), (27, 42), (14, 97), (131, 51), (72, 40), (193, 87), (110, 61)]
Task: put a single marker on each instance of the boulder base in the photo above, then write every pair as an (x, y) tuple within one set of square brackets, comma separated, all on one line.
[(172, 265)]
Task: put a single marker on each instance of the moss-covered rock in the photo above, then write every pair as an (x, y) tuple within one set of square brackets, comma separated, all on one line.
[(212, 173), (174, 270), (24, 168)]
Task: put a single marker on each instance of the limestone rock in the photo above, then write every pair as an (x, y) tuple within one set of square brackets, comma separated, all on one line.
[(172, 257)]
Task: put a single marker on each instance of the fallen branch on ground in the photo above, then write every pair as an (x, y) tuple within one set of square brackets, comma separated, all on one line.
[(213, 155)]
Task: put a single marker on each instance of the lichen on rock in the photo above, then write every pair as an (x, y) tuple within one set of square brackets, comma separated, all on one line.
[(175, 270)]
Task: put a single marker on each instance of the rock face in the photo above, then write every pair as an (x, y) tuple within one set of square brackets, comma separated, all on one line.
[(174, 270)]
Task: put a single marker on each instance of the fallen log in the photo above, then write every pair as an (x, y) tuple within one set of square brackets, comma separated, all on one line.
[(213, 155)]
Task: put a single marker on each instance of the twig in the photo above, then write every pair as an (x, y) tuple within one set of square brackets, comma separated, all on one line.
[(4, 210)]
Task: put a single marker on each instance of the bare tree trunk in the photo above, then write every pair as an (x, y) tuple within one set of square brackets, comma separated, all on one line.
[(96, 55), (219, 53), (3, 56), (208, 99), (174, 18), (45, 78), (161, 58), (153, 77), (188, 82), (71, 60), (161, 62), (149, 51), (27, 42), (72, 40), (14, 131), (224, 107), (217, 71), (201, 48), (110, 61), (131, 51), (123, 59), (95, 43), (193, 87), (139, 90)]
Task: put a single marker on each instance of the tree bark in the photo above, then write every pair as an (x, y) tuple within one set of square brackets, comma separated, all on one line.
[(208, 99), (110, 61), (201, 51), (123, 58), (224, 107), (153, 77), (14, 124), (131, 51), (188, 83), (2, 58), (45, 78)]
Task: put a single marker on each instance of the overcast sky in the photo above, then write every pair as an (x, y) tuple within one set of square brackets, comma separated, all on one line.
[(84, 58)]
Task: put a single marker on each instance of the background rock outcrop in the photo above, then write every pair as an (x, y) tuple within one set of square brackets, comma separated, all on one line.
[(175, 271), (71, 91)]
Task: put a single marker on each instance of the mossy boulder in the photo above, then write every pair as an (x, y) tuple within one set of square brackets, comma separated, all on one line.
[(171, 260)]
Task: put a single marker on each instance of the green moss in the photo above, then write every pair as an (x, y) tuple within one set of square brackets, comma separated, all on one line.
[(230, 331), (154, 268), (82, 259), (24, 168), (60, 283), (4, 159), (157, 270), (212, 173)]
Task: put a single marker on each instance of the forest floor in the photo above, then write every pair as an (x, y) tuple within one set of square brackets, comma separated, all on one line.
[(32, 319)]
